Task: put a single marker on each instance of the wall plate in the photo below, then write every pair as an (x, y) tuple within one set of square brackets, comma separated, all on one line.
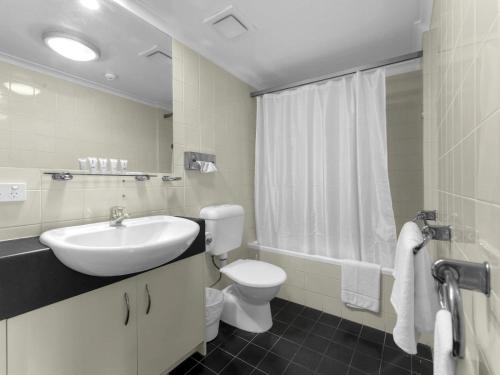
[(13, 192)]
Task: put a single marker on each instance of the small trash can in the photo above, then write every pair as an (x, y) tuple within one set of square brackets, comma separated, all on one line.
[(214, 302)]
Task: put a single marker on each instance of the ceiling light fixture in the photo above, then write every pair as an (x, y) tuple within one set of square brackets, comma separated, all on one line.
[(21, 88), (71, 47), (91, 4)]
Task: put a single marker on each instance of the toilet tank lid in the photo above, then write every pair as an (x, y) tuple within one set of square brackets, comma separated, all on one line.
[(222, 211)]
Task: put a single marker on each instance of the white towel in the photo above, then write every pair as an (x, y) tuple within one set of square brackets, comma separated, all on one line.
[(206, 166), (414, 294), (444, 363), (361, 285)]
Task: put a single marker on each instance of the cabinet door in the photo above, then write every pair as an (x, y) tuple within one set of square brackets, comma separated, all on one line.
[(84, 335), (3, 348), (175, 323)]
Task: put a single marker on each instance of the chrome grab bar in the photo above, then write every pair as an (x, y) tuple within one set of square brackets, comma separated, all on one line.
[(453, 275)]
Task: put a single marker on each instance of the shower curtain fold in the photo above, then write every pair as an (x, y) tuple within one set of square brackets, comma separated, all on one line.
[(321, 178)]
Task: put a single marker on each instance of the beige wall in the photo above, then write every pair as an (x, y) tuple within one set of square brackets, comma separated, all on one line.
[(165, 143), (66, 121), (404, 144), (213, 112), (462, 153)]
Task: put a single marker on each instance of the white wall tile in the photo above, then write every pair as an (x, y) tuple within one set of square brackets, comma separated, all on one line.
[(461, 116)]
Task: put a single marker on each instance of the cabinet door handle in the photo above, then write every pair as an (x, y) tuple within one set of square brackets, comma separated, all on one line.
[(127, 305), (148, 308)]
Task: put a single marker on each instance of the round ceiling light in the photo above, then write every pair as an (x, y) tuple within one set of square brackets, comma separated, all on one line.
[(71, 47)]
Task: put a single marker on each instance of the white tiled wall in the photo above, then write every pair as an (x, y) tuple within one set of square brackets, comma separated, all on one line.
[(66, 121), (404, 144), (213, 112), (462, 152)]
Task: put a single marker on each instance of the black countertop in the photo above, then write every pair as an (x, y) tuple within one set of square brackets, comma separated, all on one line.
[(32, 277)]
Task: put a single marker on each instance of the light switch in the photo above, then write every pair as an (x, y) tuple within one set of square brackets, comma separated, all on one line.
[(12, 192)]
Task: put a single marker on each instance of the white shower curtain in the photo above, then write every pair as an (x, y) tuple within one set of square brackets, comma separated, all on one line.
[(321, 179)]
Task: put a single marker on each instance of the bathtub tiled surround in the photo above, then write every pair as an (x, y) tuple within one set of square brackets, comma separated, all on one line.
[(461, 155), (404, 144), (305, 341), (316, 284)]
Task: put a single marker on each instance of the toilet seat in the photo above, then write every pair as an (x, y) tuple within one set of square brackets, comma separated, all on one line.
[(254, 273)]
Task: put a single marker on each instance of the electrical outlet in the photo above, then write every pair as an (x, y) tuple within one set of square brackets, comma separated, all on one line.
[(13, 192)]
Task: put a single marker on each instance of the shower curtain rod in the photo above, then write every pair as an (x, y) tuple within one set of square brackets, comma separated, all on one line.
[(380, 64)]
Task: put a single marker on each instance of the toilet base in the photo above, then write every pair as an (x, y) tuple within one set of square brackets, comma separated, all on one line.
[(243, 315)]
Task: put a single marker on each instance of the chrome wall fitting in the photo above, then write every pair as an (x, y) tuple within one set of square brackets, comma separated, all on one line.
[(471, 276), (170, 178), (190, 159), (426, 215), (434, 232), (453, 275), (66, 176), (62, 176)]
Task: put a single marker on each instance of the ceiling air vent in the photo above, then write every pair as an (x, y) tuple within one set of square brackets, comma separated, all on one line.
[(156, 53), (230, 27)]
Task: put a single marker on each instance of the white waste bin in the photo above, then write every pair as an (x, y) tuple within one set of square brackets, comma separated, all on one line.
[(214, 302)]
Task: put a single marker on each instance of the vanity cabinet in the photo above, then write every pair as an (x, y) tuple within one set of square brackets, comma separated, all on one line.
[(90, 334), (83, 335), (3, 347), (170, 314)]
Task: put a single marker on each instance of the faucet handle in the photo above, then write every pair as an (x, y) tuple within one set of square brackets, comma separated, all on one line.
[(118, 211)]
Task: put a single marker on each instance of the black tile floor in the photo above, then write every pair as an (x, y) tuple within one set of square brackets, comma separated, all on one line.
[(305, 341)]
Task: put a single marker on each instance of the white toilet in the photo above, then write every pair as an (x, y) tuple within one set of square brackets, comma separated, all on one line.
[(246, 302)]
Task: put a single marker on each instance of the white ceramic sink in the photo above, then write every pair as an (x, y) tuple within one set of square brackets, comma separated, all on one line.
[(140, 244)]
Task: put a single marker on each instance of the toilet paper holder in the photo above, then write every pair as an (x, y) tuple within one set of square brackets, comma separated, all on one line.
[(191, 158)]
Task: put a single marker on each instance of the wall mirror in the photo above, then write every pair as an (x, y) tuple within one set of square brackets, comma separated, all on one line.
[(83, 78)]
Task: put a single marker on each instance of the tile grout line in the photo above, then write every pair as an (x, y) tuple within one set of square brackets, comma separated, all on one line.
[(301, 345)]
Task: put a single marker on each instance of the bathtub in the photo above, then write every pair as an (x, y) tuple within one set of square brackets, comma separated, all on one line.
[(317, 258)]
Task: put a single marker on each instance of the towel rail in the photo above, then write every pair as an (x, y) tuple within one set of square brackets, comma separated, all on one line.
[(429, 231), (453, 275)]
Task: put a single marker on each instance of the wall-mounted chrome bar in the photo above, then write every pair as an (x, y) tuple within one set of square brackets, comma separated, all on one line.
[(362, 68), (191, 158), (431, 232), (472, 276), (453, 275), (66, 176), (426, 215), (170, 178)]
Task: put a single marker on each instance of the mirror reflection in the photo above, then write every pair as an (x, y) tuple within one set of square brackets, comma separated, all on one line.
[(80, 79)]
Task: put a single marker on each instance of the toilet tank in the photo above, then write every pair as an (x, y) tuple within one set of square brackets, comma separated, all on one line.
[(225, 224)]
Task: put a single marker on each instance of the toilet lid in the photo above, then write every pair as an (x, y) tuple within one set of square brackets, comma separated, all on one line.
[(254, 273)]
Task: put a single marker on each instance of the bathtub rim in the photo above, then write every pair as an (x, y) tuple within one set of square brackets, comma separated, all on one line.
[(254, 245)]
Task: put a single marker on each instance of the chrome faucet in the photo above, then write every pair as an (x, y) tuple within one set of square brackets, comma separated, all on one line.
[(116, 216)]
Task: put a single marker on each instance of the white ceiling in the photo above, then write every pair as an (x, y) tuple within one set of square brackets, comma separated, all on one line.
[(291, 40), (119, 34)]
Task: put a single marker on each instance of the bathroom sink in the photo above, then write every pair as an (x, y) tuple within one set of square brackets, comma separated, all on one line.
[(138, 245)]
